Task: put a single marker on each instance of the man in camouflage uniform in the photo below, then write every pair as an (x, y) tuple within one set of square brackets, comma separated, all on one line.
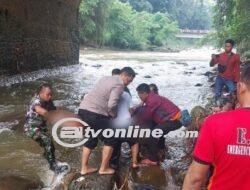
[(35, 128)]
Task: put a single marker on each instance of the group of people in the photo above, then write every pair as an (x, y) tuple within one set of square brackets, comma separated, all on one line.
[(108, 106), (222, 151), (224, 139)]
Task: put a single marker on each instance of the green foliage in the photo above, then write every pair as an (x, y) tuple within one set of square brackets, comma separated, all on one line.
[(208, 40), (141, 5), (231, 20), (117, 24), (93, 21), (87, 19), (119, 28), (191, 14), (161, 29)]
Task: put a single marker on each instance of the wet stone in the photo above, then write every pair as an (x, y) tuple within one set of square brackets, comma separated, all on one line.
[(151, 178), (187, 72), (208, 73), (12, 182), (199, 84), (93, 182), (97, 66)]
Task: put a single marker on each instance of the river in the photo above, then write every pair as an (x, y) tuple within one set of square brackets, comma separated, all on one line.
[(179, 76)]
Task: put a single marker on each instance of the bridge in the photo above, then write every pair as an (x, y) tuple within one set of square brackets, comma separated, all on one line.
[(193, 34)]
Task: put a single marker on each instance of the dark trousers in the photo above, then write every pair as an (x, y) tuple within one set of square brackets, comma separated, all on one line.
[(153, 143), (96, 122), (114, 160)]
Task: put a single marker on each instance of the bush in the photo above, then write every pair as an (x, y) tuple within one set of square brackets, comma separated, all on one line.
[(123, 27)]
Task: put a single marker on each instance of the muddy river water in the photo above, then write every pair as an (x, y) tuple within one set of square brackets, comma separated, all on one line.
[(179, 76)]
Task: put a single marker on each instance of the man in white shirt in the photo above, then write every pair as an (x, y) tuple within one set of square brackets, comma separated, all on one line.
[(124, 120)]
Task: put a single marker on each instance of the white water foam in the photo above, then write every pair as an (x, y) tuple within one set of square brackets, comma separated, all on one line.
[(54, 180)]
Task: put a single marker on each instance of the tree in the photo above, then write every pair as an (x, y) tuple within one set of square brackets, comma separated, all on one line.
[(117, 24), (231, 20), (191, 14), (93, 21)]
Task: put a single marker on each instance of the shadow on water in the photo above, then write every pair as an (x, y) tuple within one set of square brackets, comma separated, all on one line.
[(21, 159)]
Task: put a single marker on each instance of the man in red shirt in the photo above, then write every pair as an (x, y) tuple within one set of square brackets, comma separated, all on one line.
[(228, 67), (159, 113), (224, 143)]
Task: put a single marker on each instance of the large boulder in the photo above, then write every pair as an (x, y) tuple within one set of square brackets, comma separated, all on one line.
[(38, 34)]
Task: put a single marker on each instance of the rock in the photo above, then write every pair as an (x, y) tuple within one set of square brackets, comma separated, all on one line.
[(147, 77), (152, 178), (198, 114), (97, 66), (20, 183), (187, 72), (210, 74), (199, 84), (92, 182), (212, 85), (178, 175)]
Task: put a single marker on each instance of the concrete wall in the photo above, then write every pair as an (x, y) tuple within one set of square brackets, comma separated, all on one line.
[(37, 34)]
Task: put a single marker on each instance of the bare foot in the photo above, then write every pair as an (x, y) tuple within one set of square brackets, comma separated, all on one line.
[(148, 162), (108, 171), (135, 165), (88, 170)]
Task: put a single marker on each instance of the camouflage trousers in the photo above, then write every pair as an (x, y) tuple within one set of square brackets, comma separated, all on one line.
[(42, 137)]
